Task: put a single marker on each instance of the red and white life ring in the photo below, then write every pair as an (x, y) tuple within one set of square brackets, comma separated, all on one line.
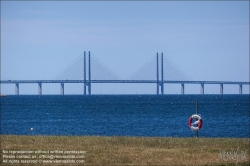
[(199, 122)]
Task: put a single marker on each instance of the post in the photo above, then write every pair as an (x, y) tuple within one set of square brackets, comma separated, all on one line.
[(39, 88), (162, 80), (62, 88), (197, 114), (157, 75), (202, 88), (17, 88), (182, 88), (221, 89), (89, 75), (240, 88), (84, 74)]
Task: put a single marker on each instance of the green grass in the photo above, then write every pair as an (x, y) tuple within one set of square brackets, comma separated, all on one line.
[(135, 150)]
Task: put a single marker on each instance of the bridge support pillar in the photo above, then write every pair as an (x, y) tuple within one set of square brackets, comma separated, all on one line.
[(162, 88), (84, 89), (62, 89), (240, 88), (202, 88), (39, 88), (89, 88), (182, 88), (17, 88), (221, 89), (157, 88)]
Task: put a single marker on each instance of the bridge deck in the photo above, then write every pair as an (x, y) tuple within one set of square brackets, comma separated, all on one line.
[(121, 81)]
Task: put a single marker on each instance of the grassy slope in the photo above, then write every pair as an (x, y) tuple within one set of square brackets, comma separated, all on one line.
[(135, 150)]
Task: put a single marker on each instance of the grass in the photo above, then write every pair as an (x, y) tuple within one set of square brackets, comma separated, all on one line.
[(135, 150)]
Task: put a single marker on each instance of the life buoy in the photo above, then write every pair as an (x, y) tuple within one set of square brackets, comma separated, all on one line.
[(199, 122)]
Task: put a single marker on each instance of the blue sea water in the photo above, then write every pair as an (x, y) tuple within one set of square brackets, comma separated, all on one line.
[(125, 115)]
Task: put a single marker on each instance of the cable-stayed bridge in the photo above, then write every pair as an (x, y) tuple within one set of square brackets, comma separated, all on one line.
[(87, 69)]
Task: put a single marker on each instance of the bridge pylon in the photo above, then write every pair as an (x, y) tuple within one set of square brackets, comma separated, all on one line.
[(87, 82), (160, 83), (89, 85)]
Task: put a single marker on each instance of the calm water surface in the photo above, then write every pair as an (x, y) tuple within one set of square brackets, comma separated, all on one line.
[(125, 115)]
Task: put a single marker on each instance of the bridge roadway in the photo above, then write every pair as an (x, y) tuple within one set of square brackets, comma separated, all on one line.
[(121, 81), (88, 83)]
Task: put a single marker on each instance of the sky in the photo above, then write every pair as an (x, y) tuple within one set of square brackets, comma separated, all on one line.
[(208, 40)]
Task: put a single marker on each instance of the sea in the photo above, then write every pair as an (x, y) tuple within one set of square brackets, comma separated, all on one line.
[(125, 115)]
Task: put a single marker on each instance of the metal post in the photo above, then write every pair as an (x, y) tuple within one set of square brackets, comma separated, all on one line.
[(89, 76), (84, 74), (240, 88), (17, 88), (197, 113), (182, 88), (62, 88), (39, 88), (221, 89), (157, 75), (202, 88), (162, 80)]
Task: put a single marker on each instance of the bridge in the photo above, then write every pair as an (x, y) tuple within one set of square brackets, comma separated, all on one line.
[(87, 69)]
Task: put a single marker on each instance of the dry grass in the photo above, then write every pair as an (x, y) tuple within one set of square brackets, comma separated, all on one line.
[(135, 150)]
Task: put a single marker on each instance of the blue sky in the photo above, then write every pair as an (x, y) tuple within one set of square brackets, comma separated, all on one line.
[(207, 40)]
